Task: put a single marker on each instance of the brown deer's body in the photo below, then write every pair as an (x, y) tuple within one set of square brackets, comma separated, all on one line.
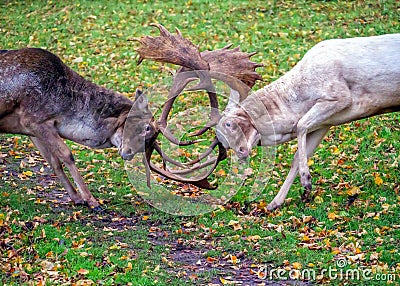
[(43, 98)]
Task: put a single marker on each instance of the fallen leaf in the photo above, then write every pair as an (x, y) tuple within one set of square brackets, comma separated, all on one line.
[(297, 265), (83, 271), (235, 224)]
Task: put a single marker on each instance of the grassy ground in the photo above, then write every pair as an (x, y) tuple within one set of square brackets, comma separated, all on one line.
[(351, 227)]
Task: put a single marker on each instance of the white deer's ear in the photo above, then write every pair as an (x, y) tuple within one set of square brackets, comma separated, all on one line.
[(233, 101)]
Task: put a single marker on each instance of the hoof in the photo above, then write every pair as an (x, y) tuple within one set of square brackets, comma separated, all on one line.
[(272, 206), (80, 203), (96, 209), (305, 197)]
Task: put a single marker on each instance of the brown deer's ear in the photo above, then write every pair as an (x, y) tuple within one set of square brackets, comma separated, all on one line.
[(138, 93), (141, 101)]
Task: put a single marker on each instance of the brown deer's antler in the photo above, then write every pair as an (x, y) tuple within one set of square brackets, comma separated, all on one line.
[(231, 66)]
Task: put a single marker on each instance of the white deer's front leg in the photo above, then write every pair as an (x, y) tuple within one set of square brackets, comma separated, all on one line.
[(313, 140), (314, 119), (305, 176)]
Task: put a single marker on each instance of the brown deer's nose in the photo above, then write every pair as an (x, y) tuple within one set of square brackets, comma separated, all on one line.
[(126, 154), (243, 152)]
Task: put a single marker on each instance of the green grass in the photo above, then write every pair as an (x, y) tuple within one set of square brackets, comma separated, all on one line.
[(42, 241)]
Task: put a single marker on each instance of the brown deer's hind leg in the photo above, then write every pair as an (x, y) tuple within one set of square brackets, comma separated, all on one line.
[(55, 148)]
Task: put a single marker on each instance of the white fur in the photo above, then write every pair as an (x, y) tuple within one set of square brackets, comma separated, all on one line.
[(336, 82)]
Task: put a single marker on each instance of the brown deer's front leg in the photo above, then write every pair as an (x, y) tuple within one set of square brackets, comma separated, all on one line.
[(56, 164), (54, 149)]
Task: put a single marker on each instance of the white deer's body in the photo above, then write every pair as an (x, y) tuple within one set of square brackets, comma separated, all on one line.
[(336, 82)]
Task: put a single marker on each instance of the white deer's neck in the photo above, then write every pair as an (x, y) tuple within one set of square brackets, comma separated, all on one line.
[(270, 110)]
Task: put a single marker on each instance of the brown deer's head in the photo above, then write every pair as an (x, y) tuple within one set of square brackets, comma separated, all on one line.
[(140, 129)]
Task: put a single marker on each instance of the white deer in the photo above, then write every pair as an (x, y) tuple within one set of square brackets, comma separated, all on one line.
[(336, 82)]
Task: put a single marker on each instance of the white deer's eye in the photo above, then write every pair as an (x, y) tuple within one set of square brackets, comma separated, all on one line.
[(228, 124)]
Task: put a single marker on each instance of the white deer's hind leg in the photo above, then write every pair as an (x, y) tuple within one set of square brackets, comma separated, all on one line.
[(313, 139)]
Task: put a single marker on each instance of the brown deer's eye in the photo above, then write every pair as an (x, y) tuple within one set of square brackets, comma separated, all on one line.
[(147, 128)]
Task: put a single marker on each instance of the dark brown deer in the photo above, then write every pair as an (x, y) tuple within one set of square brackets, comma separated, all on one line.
[(43, 98)]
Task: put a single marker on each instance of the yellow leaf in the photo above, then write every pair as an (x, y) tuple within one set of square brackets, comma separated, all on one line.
[(128, 267), (332, 216), (227, 282), (318, 200), (353, 191), (221, 172), (297, 265), (114, 247), (378, 180), (234, 259), (28, 173), (83, 271), (310, 162), (235, 224), (253, 238)]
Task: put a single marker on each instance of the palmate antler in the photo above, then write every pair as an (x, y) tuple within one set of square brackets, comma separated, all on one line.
[(231, 66)]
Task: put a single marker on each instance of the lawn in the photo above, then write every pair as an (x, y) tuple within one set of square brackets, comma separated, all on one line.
[(349, 234)]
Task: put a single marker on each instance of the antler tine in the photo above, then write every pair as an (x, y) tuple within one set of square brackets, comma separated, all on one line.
[(205, 154), (201, 182), (209, 162), (233, 62), (166, 158), (227, 46), (179, 83), (178, 32), (169, 48)]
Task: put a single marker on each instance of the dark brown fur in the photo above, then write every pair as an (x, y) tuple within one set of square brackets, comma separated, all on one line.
[(43, 98)]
